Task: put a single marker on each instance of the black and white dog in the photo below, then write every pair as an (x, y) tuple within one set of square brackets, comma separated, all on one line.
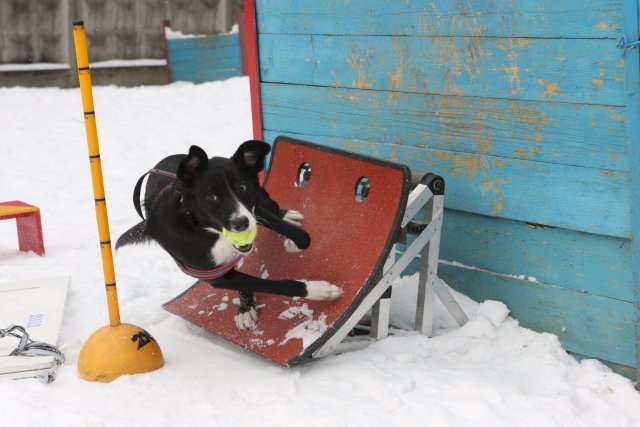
[(189, 201)]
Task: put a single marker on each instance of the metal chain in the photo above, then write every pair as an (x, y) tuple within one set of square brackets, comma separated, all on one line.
[(29, 347)]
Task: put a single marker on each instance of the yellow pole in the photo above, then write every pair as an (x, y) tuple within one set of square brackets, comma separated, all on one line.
[(84, 76), (119, 348)]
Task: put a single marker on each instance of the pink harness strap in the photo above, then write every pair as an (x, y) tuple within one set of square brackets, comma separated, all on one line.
[(212, 274)]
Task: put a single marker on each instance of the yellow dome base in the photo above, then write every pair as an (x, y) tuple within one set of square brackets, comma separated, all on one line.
[(113, 351)]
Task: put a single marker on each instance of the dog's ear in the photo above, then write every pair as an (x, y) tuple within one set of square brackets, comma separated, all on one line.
[(251, 154), (195, 163)]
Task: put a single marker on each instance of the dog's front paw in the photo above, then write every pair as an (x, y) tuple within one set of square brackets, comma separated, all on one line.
[(290, 246), (293, 217), (246, 320), (321, 290)]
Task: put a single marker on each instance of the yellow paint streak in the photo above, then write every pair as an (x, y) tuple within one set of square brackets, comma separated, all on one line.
[(608, 173), (521, 153), (465, 163), (494, 186), (513, 74), (361, 82), (620, 63), (597, 82), (616, 116), (349, 145), (550, 89), (537, 136), (535, 150), (525, 113), (458, 57), (347, 96), (393, 156), (395, 81), (449, 108), (601, 72), (498, 163), (603, 25), (335, 82), (357, 61), (395, 78), (481, 138)]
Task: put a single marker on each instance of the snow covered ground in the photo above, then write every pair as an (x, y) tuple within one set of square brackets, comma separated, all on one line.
[(491, 372)]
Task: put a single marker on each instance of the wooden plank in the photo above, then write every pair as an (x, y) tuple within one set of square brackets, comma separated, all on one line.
[(581, 135), (580, 71), (632, 73), (9, 211), (493, 18), (591, 325), (203, 59), (570, 197), (583, 262)]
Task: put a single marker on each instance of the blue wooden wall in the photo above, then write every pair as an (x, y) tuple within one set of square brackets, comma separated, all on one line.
[(203, 59), (521, 106)]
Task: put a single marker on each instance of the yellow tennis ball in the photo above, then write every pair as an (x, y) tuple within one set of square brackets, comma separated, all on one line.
[(240, 238)]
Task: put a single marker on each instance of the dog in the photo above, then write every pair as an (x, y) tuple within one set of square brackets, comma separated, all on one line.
[(194, 203)]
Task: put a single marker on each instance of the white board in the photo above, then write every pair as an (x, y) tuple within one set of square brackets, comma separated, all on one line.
[(38, 306)]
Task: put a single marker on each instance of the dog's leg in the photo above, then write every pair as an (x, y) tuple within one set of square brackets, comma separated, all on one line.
[(317, 290), (287, 228), (247, 314), (293, 217)]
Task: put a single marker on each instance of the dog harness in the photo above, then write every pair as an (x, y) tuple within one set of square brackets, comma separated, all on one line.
[(208, 274)]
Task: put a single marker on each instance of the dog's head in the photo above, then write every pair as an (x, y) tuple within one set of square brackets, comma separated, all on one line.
[(222, 193)]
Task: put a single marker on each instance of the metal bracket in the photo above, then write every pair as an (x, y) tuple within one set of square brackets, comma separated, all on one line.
[(378, 301), (625, 45)]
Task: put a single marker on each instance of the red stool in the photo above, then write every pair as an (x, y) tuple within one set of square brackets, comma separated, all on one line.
[(28, 223)]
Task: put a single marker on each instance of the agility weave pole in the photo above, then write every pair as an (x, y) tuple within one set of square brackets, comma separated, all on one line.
[(119, 348), (357, 211)]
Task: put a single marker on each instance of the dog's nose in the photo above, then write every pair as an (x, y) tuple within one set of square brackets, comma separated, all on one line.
[(240, 224)]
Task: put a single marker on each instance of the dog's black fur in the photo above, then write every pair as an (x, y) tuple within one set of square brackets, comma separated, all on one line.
[(185, 216)]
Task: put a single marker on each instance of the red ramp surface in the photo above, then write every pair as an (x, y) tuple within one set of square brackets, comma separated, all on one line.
[(350, 241)]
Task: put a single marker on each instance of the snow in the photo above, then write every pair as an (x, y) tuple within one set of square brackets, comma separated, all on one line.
[(505, 275), (175, 34), (35, 66), (490, 372), (124, 63), (111, 63)]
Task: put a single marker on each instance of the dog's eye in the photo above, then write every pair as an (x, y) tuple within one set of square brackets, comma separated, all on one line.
[(242, 187), (213, 197)]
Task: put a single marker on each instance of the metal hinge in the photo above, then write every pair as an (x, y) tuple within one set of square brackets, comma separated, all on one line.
[(625, 45)]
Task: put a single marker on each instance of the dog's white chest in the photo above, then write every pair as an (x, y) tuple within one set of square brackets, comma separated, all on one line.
[(223, 251)]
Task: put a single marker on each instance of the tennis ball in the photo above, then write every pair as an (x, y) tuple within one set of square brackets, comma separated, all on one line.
[(240, 238)]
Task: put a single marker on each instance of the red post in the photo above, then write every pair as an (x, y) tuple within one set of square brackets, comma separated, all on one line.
[(252, 65)]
